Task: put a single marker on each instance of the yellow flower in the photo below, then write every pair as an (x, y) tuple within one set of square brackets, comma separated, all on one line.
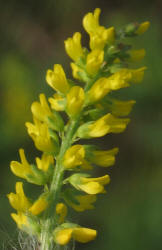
[(99, 89), (103, 158), (99, 39), (136, 55), (73, 47), (20, 219), (21, 169), (120, 108), (57, 102), (39, 205), (19, 201), (57, 79), (41, 137), (89, 185), (61, 209), (143, 27), (99, 35), (75, 71), (137, 74), (74, 157), (45, 161), (75, 101), (94, 61), (84, 202), (62, 236), (94, 185), (106, 124)]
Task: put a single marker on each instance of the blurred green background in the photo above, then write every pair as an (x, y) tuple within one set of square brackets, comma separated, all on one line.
[(129, 217)]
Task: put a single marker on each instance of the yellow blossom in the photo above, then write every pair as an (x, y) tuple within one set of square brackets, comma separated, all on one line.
[(44, 162), (61, 209), (143, 27), (103, 158), (89, 185), (94, 61), (120, 108), (21, 169), (63, 235), (84, 202), (75, 71), (74, 156), (20, 219), (75, 100), (137, 74), (136, 55), (93, 185), (19, 201), (39, 205), (73, 47), (57, 102), (57, 79), (106, 124), (41, 137), (99, 35)]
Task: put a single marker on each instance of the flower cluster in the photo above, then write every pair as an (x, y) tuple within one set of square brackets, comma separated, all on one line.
[(90, 111)]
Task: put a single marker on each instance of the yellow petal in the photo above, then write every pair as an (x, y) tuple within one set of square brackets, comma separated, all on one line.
[(143, 27), (92, 187), (63, 236), (84, 235), (39, 206), (61, 209), (74, 156)]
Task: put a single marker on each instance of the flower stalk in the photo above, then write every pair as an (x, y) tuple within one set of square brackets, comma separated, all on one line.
[(91, 112)]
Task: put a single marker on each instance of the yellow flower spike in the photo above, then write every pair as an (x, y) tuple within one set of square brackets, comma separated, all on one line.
[(73, 47), (41, 110), (143, 27), (19, 201), (75, 101), (91, 21), (41, 137), (44, 162), (57, 102), (57, 79), (63, 235), (94, 61), (21, 169), (39, 205), (94, 185), (136, 55), (20, 219), (75, 71), (74, 156), (61, 209), (104, 158), (121, 108), (85, 202)]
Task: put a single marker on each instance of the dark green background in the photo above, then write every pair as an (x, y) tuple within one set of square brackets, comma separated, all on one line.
[(129, 217)]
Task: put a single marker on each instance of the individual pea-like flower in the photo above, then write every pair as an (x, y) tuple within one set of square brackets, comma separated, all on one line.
[(57, 79), (74, 157), (73, 47), (89, 185), (94, 61), (67, 231), (39, 132), (39, 205), (75, 101), (99, 35), (57, 102), (142, 28), (61, 210), (106, 124)]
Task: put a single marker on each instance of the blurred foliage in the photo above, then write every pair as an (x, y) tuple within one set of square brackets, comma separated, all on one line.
[(32, 35)]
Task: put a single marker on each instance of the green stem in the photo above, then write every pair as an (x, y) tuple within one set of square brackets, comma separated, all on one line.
[(49, 222)]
